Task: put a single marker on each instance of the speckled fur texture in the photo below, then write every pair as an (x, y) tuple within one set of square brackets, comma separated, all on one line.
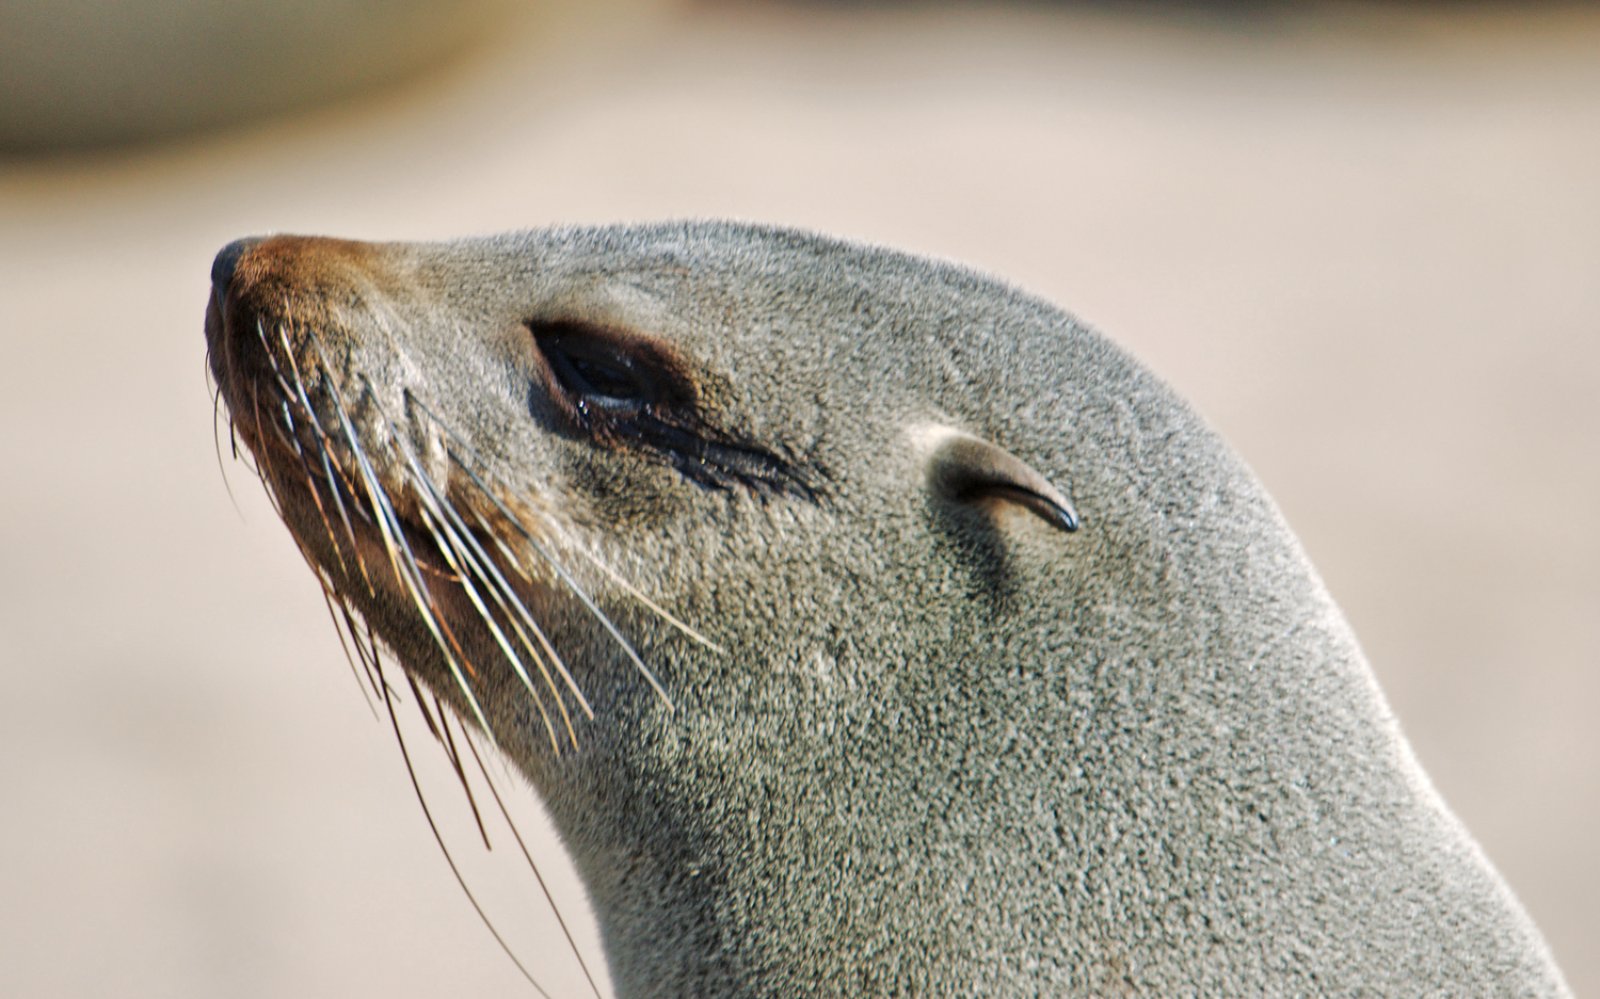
[(945, 748)]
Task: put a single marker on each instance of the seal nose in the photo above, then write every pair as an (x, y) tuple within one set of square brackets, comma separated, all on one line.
[(227, 260)]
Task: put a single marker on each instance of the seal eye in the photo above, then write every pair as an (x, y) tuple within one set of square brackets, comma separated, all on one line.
[(623, 389), (593, 375)]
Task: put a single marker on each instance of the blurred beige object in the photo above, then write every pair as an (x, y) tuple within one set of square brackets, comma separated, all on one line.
[(86, 72)]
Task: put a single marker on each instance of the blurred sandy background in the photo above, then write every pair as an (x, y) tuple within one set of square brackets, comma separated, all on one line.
[(1364, 240)]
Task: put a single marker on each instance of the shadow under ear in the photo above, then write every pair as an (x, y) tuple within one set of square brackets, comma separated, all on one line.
[(979, 546)]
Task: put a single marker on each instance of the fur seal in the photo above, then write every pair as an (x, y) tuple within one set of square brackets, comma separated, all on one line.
[(867, 625)]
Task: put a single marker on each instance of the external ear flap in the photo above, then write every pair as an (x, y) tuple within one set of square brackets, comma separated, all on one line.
[(968, 470)]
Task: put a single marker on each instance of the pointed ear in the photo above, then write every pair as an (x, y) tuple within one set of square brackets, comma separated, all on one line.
[(968, 470)]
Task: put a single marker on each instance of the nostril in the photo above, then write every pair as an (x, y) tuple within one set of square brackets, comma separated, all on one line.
[(227, 259)]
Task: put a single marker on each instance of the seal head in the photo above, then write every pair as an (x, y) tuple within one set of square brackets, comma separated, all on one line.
[(866, 624)]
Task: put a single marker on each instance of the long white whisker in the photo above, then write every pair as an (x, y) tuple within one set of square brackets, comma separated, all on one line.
[(634, 592), (459, 548), (544, 553), (297, 392), (446, 549), (394, 541), (512, 605), (572, 584), (528, 619)]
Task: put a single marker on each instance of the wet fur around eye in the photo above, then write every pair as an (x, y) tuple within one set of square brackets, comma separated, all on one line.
[(627, 390)]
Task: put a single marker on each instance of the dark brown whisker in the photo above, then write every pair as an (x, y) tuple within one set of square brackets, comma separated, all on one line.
[(216, 438), (258, 467), (227, 366), (284, 431), (454, 756), (438, 727), (438, 837), (422, 709), (328, 597), (526, 855), (377, 663)]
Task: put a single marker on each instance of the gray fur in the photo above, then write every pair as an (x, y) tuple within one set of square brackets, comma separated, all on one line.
[(944, 749)]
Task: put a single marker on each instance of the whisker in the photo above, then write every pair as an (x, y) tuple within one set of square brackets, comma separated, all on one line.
[(334, 478), (328, 597), (528, 856), (377, 663), (335, 457), (344, 517), (438, 837), (389, 527), (227, 365), (463, 553), (638, 595), (422, 709), (566, 578), (446, 548), (422, 596), (216, 440), (439, 725), (533, 625), (272, 361), (316, 498), (612, 573), (289, 396), (259, 468)]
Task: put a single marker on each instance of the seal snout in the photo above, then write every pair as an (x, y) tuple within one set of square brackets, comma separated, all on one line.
[(227, 261)]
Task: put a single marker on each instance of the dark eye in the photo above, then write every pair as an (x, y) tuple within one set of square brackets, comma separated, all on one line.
[(595, 375)]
